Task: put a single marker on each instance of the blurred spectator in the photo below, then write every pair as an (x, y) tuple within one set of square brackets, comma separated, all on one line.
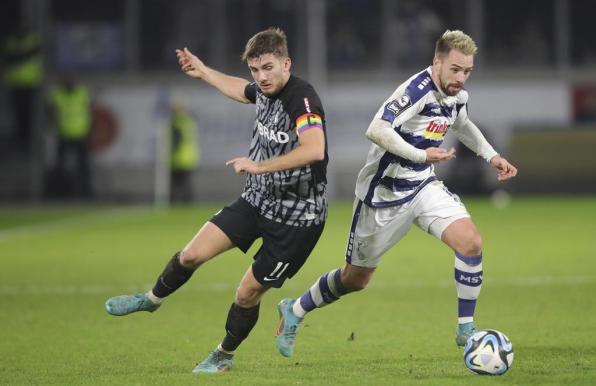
[(533, 47), (184, 155), (346, 49), (71, 111), (417, 27), (22, 73)]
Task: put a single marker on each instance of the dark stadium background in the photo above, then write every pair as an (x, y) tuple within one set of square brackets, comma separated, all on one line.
[(533, 90)]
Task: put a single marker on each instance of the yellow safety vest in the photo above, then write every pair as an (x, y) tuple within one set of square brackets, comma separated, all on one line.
[(72, 110), (28, 72), (186, 155)]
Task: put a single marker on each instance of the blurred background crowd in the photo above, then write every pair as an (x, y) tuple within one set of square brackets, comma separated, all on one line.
[(93, 106)]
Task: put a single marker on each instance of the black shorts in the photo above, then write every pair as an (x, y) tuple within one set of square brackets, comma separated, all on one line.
[(285, 248)]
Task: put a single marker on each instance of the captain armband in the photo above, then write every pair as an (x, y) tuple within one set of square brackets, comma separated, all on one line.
[(308, 121)]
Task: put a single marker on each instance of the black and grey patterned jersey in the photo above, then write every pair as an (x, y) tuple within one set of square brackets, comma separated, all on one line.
[(295, 196)]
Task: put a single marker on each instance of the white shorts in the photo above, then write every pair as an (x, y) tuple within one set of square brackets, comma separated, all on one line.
[(375, 230)]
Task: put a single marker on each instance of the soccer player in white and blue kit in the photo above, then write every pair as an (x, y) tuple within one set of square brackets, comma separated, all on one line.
[(397, 187)]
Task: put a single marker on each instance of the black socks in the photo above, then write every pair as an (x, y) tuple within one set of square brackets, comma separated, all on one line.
[(239, 324), (173, 277)]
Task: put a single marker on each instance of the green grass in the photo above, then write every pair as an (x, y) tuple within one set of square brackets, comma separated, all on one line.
[(59, 265)]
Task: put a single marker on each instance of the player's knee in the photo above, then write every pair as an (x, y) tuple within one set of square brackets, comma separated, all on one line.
[(246, 298), (191, 258), (471, 245), (242, 298)]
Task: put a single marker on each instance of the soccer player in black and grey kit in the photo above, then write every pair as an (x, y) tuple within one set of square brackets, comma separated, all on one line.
[(283, 202)]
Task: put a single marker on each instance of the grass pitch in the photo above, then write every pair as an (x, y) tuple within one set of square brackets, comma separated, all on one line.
[(59, 265)]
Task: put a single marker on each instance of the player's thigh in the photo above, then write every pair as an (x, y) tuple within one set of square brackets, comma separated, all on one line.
[(374, 231), (209, 242), (284, 251), (437, 208)]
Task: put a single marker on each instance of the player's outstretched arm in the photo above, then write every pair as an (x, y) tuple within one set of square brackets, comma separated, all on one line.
[(230, 86), (381, 133), (505, 170)]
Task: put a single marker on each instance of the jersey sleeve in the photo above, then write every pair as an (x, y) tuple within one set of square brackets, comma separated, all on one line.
[(401, 107), (250, 92), (471, 136), (306, 110)]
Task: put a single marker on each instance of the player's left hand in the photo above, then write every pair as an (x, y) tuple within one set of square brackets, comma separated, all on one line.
[(243, 165), (505, 170)]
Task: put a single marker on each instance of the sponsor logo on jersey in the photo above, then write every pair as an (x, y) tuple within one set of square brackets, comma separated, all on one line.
[(272, 135), (436, 129)]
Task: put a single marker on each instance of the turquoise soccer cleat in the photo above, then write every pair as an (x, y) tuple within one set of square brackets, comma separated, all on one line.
[(286, 330), (216, 362), (127, 304), (463, 332)]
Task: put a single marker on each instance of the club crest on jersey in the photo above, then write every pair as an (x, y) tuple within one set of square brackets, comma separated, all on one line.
[(272, 135), (436, 129)]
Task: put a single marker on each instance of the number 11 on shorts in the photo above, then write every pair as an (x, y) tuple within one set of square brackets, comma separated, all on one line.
[(276, 273)]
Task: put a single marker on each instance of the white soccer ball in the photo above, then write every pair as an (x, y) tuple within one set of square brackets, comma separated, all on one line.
[(488, 352)]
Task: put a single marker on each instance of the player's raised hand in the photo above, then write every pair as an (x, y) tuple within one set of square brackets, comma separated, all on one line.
[(243, 165), (435, 154), (190, 63), (505, 170)]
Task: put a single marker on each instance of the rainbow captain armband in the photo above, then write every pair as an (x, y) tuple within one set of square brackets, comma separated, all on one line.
[(308, 121)]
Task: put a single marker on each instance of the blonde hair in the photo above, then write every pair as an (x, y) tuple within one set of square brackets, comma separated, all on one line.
[(271, 41), (455, 40)]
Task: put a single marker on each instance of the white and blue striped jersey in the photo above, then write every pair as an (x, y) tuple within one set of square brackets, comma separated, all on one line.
[(421, 113)]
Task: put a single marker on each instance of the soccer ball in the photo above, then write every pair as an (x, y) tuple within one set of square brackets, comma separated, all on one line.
[(488, 352)]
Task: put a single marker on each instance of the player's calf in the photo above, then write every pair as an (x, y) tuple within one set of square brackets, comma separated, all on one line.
[(468, 281), (173, 277)]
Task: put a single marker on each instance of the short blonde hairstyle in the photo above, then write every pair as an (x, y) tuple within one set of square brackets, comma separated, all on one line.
[(455, 40)]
